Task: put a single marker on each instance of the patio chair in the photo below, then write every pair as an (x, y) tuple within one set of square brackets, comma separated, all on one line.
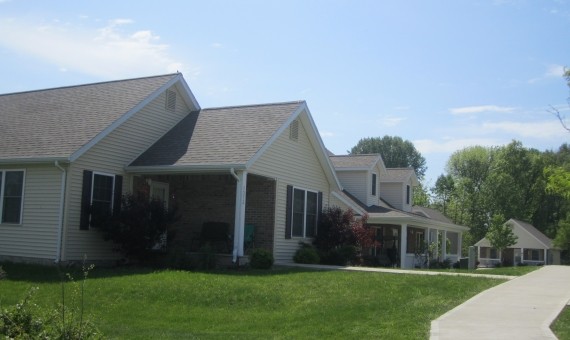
[(248, 237)]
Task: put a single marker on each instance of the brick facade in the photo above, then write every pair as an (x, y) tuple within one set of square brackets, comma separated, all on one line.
[(211, 198)]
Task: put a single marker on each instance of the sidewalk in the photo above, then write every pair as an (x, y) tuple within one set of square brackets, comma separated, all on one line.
[(522, 308)]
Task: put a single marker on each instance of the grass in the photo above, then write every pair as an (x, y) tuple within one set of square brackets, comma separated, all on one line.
[(281, 303), (561, 326), (513, 271)]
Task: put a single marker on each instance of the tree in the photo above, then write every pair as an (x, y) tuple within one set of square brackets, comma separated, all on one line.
[(396, 153), (444, 189), (421, 196), (500, 235), (555, 111), (562, 239)]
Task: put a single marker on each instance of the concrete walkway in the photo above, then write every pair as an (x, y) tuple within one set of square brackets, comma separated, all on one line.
[(522, 308)]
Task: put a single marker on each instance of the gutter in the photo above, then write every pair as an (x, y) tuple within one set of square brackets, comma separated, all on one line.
[(61, 211)]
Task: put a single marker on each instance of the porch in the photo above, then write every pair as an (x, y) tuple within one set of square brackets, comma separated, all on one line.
[(229, 214), (489, 256), (412, 246)]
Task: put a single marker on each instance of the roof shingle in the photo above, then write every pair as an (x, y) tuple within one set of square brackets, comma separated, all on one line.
[(57, 122), (354, 161)]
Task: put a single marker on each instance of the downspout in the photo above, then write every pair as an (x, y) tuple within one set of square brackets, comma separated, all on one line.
[(232, 171), (234, 251), (61, 211)]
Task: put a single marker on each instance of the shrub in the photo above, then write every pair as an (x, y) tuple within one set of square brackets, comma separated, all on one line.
[(261, 259), (20, 321), (340, 256), (139, 227), (306, 254), (2, 273)]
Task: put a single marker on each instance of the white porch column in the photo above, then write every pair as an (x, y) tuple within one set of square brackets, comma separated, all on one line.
[(522, 255), (460, 244), (239, 221), (437, 253), (443, 245), (403, 245), (545, 258)]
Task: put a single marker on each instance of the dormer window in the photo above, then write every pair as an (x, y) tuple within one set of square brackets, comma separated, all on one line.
[(373, 184), (408, 194)]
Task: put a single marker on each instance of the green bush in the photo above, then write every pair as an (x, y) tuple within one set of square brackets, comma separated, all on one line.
[(21, 321), (2, 273), (261, 259), (306, 254), (339, 256)]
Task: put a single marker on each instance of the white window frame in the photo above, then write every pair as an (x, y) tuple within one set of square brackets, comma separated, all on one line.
[(304, 213), (95, 173), (3, 187)]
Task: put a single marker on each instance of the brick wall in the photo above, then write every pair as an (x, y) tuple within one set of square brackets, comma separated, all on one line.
[(211, 198)]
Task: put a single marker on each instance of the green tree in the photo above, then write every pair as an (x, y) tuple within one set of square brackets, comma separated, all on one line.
[(396, 153), (444, 190), (470, 169), (562, 239), (421, 196), (500, 235)]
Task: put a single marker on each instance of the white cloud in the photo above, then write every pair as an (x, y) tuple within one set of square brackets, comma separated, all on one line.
[(216, 45), (391, 121), (554, 71), (106, 52), (480, 109), (540, 130), (325, 134), (450, 145)]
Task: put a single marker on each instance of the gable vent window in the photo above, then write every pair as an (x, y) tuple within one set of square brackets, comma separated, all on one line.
[(294, 130), (170, 100)]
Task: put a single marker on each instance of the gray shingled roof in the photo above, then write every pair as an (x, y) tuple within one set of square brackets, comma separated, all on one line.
[(397, 174), (431, 213), (534, 232), (216, 136), (354, 161), (57, 122)]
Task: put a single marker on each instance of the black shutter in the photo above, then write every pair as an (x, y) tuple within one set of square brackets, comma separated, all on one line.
[(319, 209), (86, 200), (118, 193), (289, 211)]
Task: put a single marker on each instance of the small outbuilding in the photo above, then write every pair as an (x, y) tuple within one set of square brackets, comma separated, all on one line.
[(532, 248)]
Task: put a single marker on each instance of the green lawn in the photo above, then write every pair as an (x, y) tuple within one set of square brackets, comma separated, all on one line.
[(561, 327), (281, 303), (513, 271)]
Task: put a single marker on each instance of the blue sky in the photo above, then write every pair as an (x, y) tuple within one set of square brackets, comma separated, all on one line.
[(443, 74)]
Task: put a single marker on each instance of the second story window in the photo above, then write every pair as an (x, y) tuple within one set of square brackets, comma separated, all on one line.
[(373, 184), (408, 194)]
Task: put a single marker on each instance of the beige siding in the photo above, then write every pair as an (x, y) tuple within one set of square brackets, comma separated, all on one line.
[(392, 193), (36, 237), (291, 163), (335, 202), (111, 155), (355, 183)]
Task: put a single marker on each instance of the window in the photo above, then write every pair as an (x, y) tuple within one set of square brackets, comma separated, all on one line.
[(304, 213), (488, 253), (102, 195), (100, 198), (453, 245), (533, 255), (11, 196), (407, 194), (373, 184), (416, 240)]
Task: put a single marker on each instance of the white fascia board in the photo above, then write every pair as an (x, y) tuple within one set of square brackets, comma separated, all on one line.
[(181, 169), (274, 137), (349, 202), (323, 155), (410, 220), (124, 118), (187, 94), (353, 169), (34, 160)]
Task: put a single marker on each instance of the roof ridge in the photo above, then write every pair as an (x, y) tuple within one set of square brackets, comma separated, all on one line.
[(253, 105), (357, 155), (88, 84)]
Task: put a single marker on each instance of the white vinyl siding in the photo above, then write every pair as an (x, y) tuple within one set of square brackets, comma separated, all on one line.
[(110, 156), (355, 183), (290, 163), (393, 194), (36, 236)]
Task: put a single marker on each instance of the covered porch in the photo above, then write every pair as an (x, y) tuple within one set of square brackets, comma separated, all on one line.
[(414, 245), (230, 212)]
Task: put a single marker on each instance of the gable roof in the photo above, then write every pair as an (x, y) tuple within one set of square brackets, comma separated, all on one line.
[(400, 175), (354, 162), (62, 123), (431, 213), (218, 136), (533, 231)]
